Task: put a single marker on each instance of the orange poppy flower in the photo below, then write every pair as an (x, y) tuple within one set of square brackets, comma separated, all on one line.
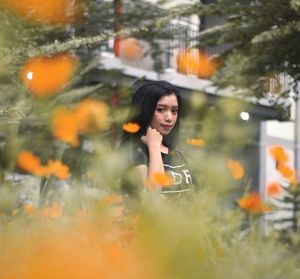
[(274, 189), (51, 12), (131, 127), (58, 169), (181, 62), (65, 126), (28, 208), (253, 203), (54, 211), (278, 153), (196, 62), (188, 61), (287, 172), (207, 65), (47, 75), (29, 162), (196, 142), (236, 169), (91, 115), (131, 49)]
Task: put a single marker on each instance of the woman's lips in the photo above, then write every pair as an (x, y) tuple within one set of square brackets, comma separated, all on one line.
[(167, 126)]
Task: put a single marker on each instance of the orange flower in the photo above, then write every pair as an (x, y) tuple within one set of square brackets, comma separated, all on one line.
[(28, 208), (31, 163), (253, 203), (207, 66), (187, 61), (236, 169), (278, 153), (159, 179), (131, 49), (274, 189), (87, 117), (47, 12), (91, 115), (287, 172), (65, 126), (131, 127), (181, 62), (28, 162), (196, 62), (58, 169), (47, 75), (54, 211), (196, 142)]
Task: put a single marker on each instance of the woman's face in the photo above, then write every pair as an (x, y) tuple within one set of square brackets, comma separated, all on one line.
[(165, 114)]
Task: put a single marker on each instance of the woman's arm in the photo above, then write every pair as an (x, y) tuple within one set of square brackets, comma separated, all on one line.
[(144, 173), (153, 139)]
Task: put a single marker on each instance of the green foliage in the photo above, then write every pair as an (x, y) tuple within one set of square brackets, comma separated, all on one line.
[(263, 39), (288, 205), (197, 236)]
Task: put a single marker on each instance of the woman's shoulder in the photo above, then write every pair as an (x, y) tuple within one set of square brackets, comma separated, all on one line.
[(139, 153), (179, 153)]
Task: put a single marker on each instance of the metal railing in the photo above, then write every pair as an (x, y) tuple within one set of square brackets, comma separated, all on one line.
[(181, 33)]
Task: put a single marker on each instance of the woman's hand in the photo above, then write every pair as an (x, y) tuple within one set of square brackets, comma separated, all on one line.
[(152, 138)]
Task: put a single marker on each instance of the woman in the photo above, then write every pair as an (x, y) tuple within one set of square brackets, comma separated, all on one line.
[(156, 108)]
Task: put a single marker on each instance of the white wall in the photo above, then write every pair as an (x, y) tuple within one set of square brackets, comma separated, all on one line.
[(281, 130)]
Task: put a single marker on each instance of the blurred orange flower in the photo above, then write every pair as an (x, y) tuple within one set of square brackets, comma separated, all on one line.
[(207, 65), (65, 126), (196, 142), (274, 189), (278, 153), (47, 75), (159, 179), (236, 169), (29, 162), (77, 250), (253, 203), (91, 115), (54, 211), (187, 61), (287, 172), (29, 209), (51, 12), (58, 169), (131, 127), (196, 62), (131, 49)]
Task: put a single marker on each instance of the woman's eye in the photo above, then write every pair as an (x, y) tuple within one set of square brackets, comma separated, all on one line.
[(160, 110), (175, 111)]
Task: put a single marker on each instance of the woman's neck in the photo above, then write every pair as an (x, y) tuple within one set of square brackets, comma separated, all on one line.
[(164, 149)]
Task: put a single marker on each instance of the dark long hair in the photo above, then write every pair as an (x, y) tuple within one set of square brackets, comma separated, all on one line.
[(143, 105)]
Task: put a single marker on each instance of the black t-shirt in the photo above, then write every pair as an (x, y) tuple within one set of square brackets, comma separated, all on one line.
[(174, 164)]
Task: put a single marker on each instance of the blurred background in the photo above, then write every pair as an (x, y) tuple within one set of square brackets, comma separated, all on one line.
[(66, 73)]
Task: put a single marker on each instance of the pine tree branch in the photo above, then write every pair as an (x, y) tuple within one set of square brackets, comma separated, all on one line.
[(295, 4), (77, 94), (75, 43), (277, 32)]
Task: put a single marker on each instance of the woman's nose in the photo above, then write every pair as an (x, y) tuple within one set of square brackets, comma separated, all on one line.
[(168, 116)]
